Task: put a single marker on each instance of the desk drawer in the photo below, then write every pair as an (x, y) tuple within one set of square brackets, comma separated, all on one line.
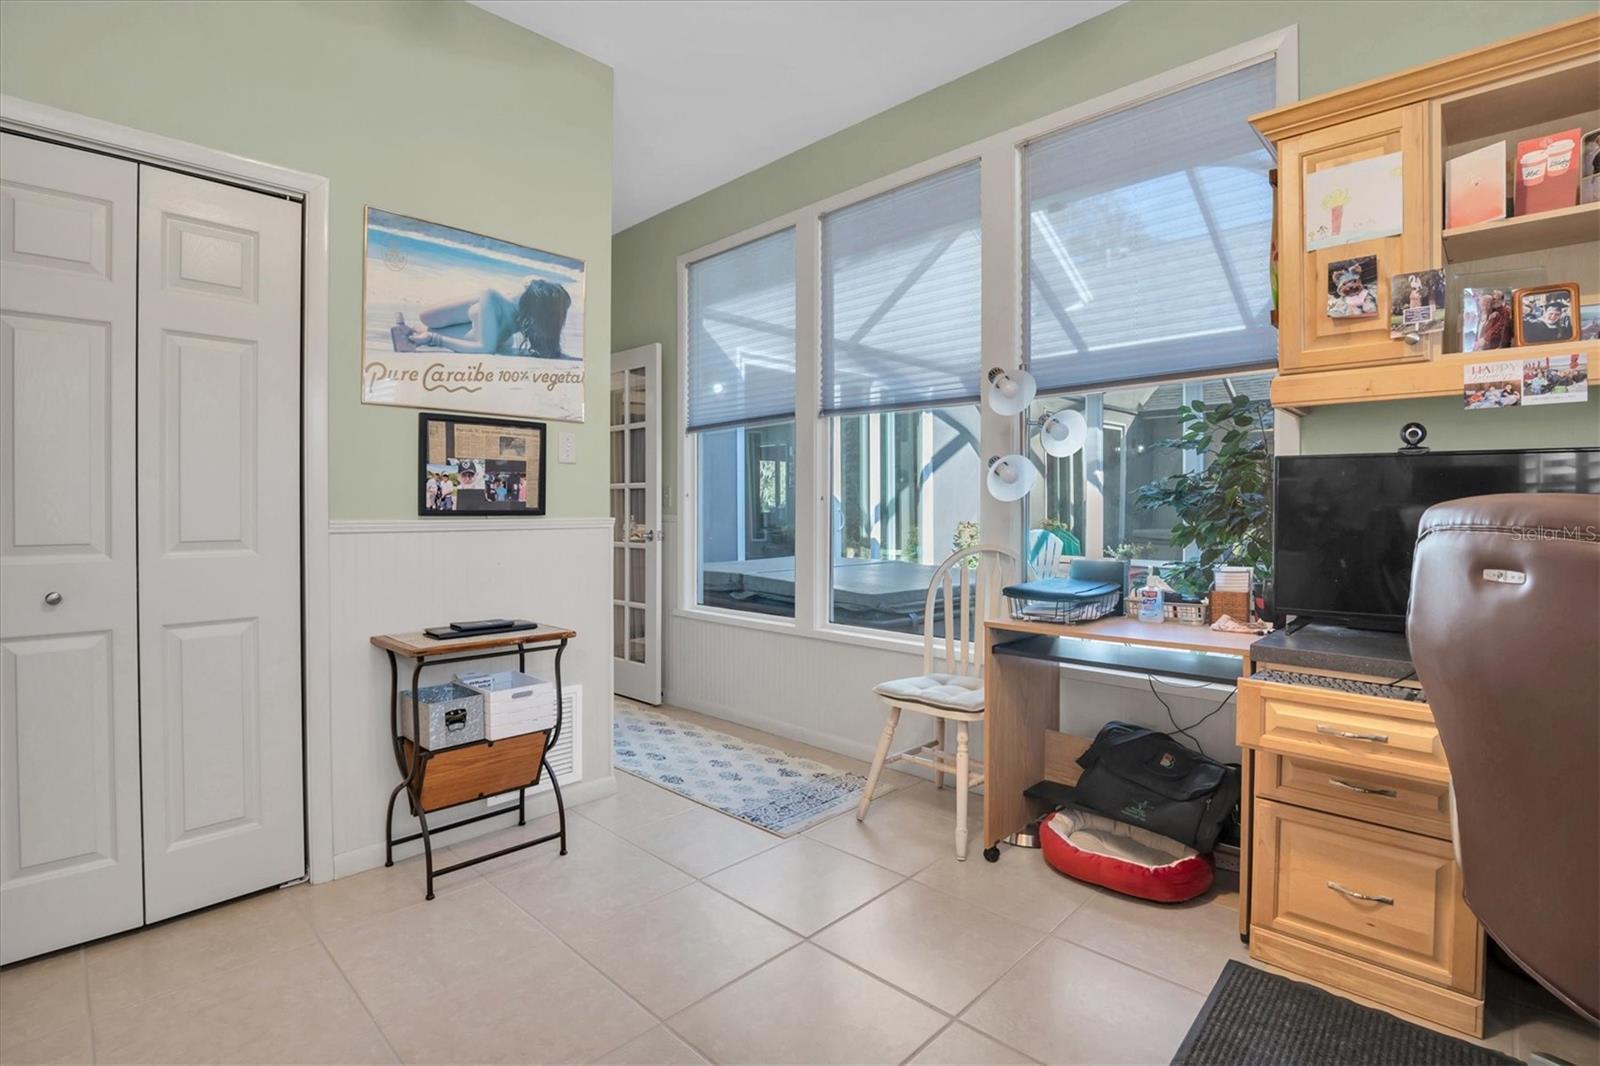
[(1356, 792), (1368, 732), (1375, 894)]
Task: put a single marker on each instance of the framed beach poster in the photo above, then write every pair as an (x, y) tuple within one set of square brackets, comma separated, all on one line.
[(479, 466), (464, 322)]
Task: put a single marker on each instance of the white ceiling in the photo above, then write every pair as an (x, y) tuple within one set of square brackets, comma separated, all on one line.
[(707, 90)]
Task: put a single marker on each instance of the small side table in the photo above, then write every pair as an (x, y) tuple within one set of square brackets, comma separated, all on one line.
[(437, 780)]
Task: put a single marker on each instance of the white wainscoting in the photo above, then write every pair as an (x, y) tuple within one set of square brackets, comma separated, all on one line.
[(820, 691), (393, 576)]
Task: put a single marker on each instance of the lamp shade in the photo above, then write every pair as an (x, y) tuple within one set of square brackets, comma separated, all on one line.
[(1063, 433), (1011, 477), (1011, 391)]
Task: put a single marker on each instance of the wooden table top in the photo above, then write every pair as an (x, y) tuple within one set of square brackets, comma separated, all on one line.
[(1125, 630), (419, 645)]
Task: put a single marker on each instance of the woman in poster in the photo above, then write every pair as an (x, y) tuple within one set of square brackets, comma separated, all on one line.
[(498, 326)]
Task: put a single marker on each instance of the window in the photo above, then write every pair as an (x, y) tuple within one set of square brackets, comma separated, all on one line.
[(841, 349), (740, 390), (901, 318), (1146, 240), (905, 493), (1090, 499), (747, 517)]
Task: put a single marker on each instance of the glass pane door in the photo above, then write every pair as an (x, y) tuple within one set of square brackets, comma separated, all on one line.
[(635, 570)]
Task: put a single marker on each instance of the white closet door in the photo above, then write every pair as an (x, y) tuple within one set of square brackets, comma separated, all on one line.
[(219, 541), (69, 707)]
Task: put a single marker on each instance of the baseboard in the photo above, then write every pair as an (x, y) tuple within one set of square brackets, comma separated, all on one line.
[(440, 524), (778, 727), (371, 856), (904, 737)]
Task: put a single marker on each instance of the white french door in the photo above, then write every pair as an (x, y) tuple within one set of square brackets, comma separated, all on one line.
[(150, 677), (69, 643), (219, 540), (635, 422)]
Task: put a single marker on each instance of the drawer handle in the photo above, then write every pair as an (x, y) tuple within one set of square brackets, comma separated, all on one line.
[(1363, 789), (1387, 901), (1330, 731)]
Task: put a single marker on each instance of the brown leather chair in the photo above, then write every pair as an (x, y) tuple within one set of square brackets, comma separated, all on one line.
[(1504, 626)]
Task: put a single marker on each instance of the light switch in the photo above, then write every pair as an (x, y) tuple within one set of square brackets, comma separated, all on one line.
[(566, 447)]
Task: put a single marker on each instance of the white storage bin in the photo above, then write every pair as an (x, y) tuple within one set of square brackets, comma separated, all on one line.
[(514, 703)]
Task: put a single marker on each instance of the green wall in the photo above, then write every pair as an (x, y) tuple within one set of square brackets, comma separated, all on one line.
[(432, 109), (1339, 44), (1375, 427)]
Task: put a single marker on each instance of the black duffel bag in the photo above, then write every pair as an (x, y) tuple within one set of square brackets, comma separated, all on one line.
[(1145, 778)]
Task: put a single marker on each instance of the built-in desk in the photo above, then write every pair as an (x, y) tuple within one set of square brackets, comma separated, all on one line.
[(1022, 685), (1161, 662)]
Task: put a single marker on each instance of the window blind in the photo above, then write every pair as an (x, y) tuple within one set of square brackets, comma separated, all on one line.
[(741, 335), (901, 282), (1147, 234)]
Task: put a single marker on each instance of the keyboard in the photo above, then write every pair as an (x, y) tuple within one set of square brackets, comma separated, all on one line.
[(1341, 684)]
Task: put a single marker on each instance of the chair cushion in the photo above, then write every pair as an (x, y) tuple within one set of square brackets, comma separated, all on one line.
[(955, 692)]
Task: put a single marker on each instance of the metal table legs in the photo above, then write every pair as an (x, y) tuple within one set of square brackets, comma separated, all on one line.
[(414, 771)]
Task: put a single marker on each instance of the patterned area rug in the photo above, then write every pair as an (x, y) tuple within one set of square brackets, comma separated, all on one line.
[(771, 790)]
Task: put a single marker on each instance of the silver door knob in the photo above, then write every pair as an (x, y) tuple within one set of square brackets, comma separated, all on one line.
[(53, 599)]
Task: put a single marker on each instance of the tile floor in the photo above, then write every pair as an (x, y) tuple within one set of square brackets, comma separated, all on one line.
[(673, 934)]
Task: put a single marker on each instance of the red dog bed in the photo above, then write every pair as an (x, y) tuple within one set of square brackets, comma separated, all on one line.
[(1124, 858)]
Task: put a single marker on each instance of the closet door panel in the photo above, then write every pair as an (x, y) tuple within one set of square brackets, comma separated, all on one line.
[(70, 857), (219, 479)]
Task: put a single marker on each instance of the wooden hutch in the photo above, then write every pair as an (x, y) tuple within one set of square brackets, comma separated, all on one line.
[(1406, 940)]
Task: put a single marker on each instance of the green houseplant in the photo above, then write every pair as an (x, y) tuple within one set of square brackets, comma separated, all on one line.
[(1225, 508)]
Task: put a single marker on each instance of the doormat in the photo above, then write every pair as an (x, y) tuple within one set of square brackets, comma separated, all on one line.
[(771, 790), (1253, 1016)]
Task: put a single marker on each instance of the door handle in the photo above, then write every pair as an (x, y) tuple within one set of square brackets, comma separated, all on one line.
[(1363, 789), (1330, 731), (1387, 901), (646, 535), (52, 599)]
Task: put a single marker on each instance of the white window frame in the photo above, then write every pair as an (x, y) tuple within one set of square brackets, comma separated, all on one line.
[(1000, 159)]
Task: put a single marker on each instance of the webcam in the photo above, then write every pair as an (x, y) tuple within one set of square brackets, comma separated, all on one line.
[(1412, 434)]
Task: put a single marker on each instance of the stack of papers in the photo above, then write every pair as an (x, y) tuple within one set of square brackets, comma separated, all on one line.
[(1232, 579), (514, 703)]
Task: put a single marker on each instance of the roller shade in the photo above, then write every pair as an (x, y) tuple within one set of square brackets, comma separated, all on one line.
[(741, 335), (1147, 234), (901, 299)]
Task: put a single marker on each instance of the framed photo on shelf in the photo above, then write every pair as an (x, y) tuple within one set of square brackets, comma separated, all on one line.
[(1547, 314), (467, 465), (1485, 319), (1589, 321)]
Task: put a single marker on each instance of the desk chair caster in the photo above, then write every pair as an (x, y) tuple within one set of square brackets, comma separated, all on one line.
[(991, 854)]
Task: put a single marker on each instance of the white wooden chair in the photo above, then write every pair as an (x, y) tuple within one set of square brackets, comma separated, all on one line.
[(967, 585)]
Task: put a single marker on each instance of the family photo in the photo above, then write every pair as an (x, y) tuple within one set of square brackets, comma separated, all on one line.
[(1563, 379), (1488, 395), (459, 320), (480, 466)]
